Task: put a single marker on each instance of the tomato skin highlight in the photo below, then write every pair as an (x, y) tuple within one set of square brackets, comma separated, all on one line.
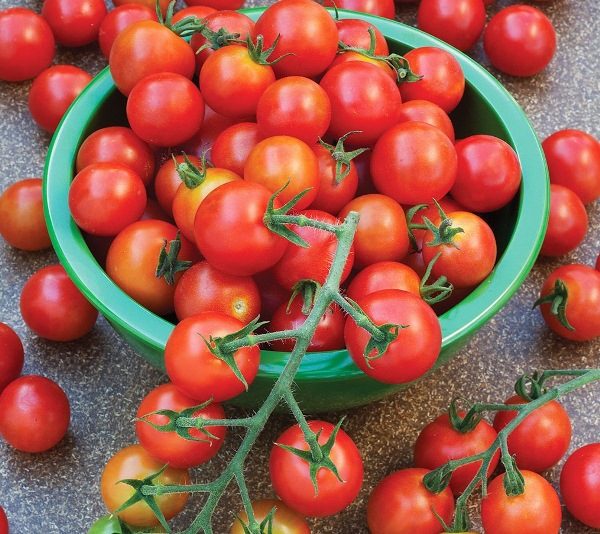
[(195, 371), (291, 479), (34, 414), (400, 504), (580, 484), (118, 20), (285, 520), (537, 510), (384, 275), (74, 23), (233, 146), (11, 355)]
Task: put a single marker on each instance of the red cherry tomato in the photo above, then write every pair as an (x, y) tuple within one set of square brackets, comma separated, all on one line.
[(329, 334), (573, 159), (196, 371), (580, 484), (458, 22), (350, 55), (4, 522), (439, 442), (22, 222), (204, 288), (168, 447), (355, 33), (583, 302), (313, 262), (120, 18), (11, 355), (306, 30), (26, 44), (74, 22), (217, 4), (541, 439), (53, 307), (280, 160), (489, 173), (520, 40), (537, 510), (104, 198), (381, 8), (447, 204), (163, 4), (443, 81), (53, 91), (417, 346), (425, 111), (291, 479), (370, 106), (34, 414), (568, 222), (414, 162), (294, 106), (401, 504), (167, 181), (233, 146), (165, 109), (384, 275), (146, 48), (198, 11), (230, 232), (285, 520), (117, 144)]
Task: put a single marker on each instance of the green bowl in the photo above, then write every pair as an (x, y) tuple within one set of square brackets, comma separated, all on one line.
[(326, 380)]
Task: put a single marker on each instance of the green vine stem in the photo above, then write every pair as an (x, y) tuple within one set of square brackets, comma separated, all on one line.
[(438, 479)]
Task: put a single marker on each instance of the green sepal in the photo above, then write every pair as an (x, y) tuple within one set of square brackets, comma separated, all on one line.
[(390, 332), (438, 480), (307, 289), (282, 229), (463, 424), (259, 55), (264, 527), (558, 300), (410, 215), (529, 387), (168, 263), (190, 175), (341, 157), (437, 291), (514, 482)]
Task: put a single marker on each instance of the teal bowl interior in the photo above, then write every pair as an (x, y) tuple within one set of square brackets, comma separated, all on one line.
[(326, 380)]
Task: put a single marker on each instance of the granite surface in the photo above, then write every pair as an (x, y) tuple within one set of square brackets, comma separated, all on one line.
[(57, 492)]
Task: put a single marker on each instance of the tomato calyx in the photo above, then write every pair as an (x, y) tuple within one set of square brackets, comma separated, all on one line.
[(252, 527), (190, 174), (558, 300), (398, 63), (438, 290), (259, 55), (186, 27), (341, 157), (307, 289), (216, 39), (168, 263)]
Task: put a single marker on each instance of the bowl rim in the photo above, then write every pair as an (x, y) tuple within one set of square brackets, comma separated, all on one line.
[(462, 320)]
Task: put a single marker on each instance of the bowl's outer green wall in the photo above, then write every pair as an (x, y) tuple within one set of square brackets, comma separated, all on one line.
[(326, 381)]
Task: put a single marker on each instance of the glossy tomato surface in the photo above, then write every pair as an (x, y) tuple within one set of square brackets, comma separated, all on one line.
[(11, 355)]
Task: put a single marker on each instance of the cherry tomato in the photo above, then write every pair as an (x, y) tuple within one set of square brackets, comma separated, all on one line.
[(542, 439), (217, 4), (26, 44), (580, 484), (195, 370), (134, 462), (233, 146), (350, 55), (167, 181), (4, 522), (401, 504), (355, 33), (230, 232), (22, 222), (417, 346), (198, 11), (34, 413), (168, 447), (573, 159), (329, 334), (133, 258), (568, 222), (439, 442), (204, 288), (53, 307), (363, 98), (471, 256), (459, 23), (146, 48), (104, 198), (535, 511), (291, 479), (381, 8), (425, 111), (232, 82), (285, 520), (280, 160), (443, 81), (414, 162), (306, 30), (74, 22), (11, 355), (163, 4), (53, 91), (381, 234), (294, 106), (520, 40), (583, 302), (447, 204), (384, 275), (313, 262), (120, 18)]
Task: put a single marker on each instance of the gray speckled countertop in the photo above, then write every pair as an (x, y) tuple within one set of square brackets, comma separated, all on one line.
[(57, 492)]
